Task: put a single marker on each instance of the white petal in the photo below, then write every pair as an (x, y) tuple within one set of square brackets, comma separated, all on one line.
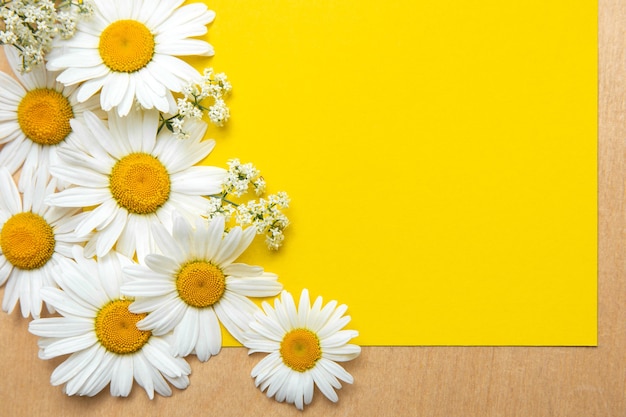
[(232, 250), (336, 370), (122, 378), (198, 180), (10, 201), (186, 21), (78, 197), (76, 364), (186, 333), (184, 47), (322, 380), (164, 319), (81, 176), (108, 236), (334, 323), (155, 351), (209, 336), (5, 269), (83, 58), (70, 345), (97, 218), (182, 233), (11, 293), (167, 244), (337, 339), (76, 75), (162, 264), (113, 90), (90, 87), (342, 354), (304, 308), (235, 312), (126, 244), (64, 305), (60, 327), (142, 374), (264, 286), (128, 98), (242, 270), (100, 377)]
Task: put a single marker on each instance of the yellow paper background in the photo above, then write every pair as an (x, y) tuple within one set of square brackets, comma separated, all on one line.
[(440, 157)]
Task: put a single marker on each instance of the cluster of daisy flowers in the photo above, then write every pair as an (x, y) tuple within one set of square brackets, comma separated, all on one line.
[(115, 229)]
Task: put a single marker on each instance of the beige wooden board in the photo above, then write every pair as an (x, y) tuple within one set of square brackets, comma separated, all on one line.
[(409, 381)]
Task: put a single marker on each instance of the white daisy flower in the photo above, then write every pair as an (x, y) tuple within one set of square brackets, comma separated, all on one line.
[(128, 50), (134, 178), (99, 332), (196, 283), (35, 240), (304, 346), (35, 114)]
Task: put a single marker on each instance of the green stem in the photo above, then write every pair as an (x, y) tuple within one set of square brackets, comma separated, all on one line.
[(224, 199)]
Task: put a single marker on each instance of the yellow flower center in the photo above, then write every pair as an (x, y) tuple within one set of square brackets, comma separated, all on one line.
[(140, 183), (44, 116), (27, 241), (300, 349), (126, 46), (116, 328), (200, 284)]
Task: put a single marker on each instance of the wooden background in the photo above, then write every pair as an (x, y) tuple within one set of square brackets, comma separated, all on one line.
[(409, 381)]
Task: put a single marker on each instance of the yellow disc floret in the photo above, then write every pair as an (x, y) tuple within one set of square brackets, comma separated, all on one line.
[(116, 328), (27, 241), (126, 46), (200, 284), (44, 116), (300, 349), (140, 183)]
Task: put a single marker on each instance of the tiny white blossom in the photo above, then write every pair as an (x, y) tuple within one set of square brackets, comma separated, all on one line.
[(31, 26), (239, 177), (200, 96), (266, 216)]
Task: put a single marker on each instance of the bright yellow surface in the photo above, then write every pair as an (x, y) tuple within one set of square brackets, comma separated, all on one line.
[(440, 157)]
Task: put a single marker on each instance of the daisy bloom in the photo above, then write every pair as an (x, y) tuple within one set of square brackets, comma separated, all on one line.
[(133, 178), (99, 333), (304, 346), (35, 114), (128, 50), (195, 284), (35, 240)]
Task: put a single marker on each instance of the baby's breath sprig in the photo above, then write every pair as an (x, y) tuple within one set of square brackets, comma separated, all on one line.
[(31, 25), (264, 215), (204, 96)]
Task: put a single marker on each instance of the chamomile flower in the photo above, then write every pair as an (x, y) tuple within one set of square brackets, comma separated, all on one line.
[(195, 284), (35, 240), (35, 114), (99, 333), (304, 346), (133, 178), (128, 49)]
